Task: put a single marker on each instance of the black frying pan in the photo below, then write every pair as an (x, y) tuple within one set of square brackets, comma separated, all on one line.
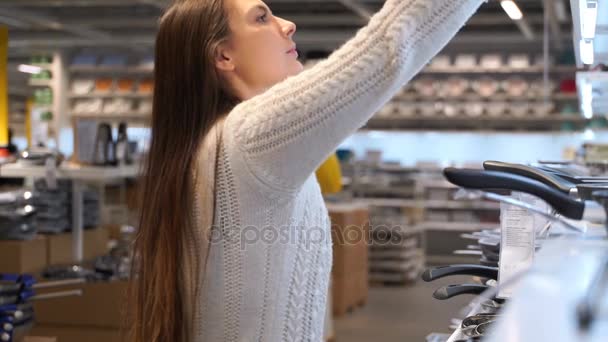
[(435, 273), (450, 291), (561, 203), (580, 188)]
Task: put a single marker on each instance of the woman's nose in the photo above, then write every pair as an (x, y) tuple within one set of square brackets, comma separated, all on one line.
[(288, 27)]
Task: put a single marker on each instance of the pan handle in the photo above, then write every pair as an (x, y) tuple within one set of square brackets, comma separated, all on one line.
[(483, 179), (449, 291), (435, 273), (547, 178)]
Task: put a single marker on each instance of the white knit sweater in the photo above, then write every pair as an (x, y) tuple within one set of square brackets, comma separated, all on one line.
[(270, 257)]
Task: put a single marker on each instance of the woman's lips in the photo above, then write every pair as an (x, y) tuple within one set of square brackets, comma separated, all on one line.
[(293, 51)]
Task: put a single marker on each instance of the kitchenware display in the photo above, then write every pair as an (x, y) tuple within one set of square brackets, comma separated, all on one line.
[(568, 86), (104, 85), (543, 108), (440, 62), (83, 86), (88, 106), (113, 61), (405, 109), (496, 108), (387, 111), (145, 107), (454, 87), (145, 86), (537, 87), (38, 156), (519, 108), (104, 147), (491, 61), (452, 109), (518, 61), (124, 85), (474, 109), (429, 109), (465, 61), (16, 310), (485, 86), (425, 86), (515, 86), (117, 106)]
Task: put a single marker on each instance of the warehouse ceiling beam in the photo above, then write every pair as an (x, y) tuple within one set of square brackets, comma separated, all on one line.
[(357, 8), (53, 24), (160, 4), (554, 24)]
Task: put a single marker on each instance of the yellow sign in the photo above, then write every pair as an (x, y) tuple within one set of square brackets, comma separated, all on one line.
[(3, 86)]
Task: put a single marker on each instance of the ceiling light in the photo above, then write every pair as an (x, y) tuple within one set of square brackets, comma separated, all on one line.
[(588, 18), (30, 69), (512, 10), (586, 51)]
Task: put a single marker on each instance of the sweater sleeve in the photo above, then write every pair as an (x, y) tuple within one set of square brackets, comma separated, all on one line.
[(285, 133)]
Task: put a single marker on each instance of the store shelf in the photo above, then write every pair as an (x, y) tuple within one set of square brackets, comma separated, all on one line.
[(500, 71), (430, 204), (545, 123), (126, 116), (110, 95), (40, 83), (456, 226), (71, 171), (493, 98), (122, 70)]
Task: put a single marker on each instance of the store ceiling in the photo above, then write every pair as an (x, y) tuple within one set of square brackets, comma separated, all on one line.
[(322, 24), (37, 26)]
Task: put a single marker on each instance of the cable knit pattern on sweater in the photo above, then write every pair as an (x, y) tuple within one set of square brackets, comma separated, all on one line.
[(270, 256)]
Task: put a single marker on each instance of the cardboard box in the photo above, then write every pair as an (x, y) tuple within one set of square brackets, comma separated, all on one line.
[(350, 236), (343, 293), (77, 334), (59, 247), (23, 256), (361, 286), (39, 339), (102, 305)]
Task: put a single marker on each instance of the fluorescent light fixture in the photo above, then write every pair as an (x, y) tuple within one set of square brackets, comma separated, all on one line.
[(588, 134), (587, 99), (29, 69), (586, 51), (588, 18), (512, 10)]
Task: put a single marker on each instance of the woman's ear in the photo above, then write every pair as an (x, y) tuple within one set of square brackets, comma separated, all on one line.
[(223, 58)]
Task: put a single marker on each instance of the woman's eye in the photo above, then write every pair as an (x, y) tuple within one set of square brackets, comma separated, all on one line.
[(263, 18)]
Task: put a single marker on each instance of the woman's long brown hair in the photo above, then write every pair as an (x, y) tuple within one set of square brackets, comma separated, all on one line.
[(188, 101)]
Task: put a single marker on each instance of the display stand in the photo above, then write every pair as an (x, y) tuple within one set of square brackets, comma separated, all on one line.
[(79, 175)]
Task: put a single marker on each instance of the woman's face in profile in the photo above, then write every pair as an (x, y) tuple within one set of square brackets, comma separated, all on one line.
[(260, 45)]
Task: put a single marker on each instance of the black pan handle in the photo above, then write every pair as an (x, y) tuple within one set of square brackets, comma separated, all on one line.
[(483, 179), (449, 291), (547, 178), (435, 273)]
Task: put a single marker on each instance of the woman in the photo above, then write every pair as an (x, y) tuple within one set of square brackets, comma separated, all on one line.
[(233, 243)]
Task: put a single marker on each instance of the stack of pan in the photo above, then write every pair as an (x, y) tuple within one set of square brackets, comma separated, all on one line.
[(574, 197), (17, 215), (16, 310), (473, 327)]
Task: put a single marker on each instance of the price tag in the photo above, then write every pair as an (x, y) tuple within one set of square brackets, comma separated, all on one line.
[(50, 168), (517, 244)]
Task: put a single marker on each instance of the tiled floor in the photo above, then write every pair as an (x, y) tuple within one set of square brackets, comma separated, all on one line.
[(401, 314)]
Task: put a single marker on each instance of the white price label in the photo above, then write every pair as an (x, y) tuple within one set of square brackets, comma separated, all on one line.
[(517, 245)]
